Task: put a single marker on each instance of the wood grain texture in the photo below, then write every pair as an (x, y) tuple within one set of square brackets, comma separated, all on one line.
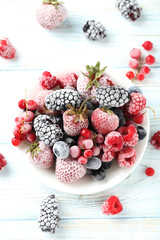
[(38, 50)]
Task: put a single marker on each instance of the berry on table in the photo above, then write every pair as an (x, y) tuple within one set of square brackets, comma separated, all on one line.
[(138, 118), (16, 142), (82, 160), (140, 77), (88, 153), (22, 104), (135, 53), (94, 163), (3, 161), (147, 45), (31, 105), (150, 172), (7, 50), (126, 157), (61, 149), (86, 133), (114, 141), (94, 30), (75, 151), (155, 140), (99, 175), (150, 59), (141, 132), (133, 63), (135, 89), (47, 81), (130, 75), (112, 206), (145, 70)]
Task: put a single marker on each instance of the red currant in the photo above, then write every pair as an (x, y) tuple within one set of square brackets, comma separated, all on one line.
[(88, 153), (32, 105), (130, 75), (82, 160), (16, 142), (28, 116), (31, 137), (47, 74), (147, 45), (150, 59), (22, 104), (18, 121), (17, 133), (85, 132), (145, 70), (150, 172), (140, 77)]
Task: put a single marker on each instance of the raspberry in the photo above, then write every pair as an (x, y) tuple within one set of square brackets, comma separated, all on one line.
[(47, 81), (150, 172), (126, 157), (112, 206), (138, 118), (150, 60), (3, 161), (130, 135), (68, 80), (130, 75), (147, 45), (136, 104), (155, 140), (107, 155), (114, 141), (130, 122), (7, 50)]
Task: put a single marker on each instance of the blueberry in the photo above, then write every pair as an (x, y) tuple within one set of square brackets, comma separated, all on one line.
[(70, 141), (94, 163), (89, 171), (59, 121), (106, 165), (90, 106), (120, 114), (141, 132), (135, 89), (61, 149), (98, 175)]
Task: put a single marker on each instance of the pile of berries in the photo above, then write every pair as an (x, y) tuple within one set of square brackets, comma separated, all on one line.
[(81, 123), (138, 62)]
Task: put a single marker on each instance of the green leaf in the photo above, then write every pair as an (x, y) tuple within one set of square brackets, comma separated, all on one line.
[(88, 76), (88, 68), (103, 69), (97, 66), (47, 1), (89, 85), (96, 83)]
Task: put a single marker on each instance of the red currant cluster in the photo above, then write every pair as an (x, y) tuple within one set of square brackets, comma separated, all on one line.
[(138, 63), (23, 130)]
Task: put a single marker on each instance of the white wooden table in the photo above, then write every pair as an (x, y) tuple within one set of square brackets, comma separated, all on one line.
[(38, 50)]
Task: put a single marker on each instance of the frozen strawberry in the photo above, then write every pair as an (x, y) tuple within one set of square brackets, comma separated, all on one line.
[(69, 170), (130, 135), (114, 141), (126, 157), (41, 155), (6, 49), (112, 206), (69, 79)]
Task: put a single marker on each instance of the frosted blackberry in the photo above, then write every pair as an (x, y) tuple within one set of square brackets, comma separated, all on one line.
[(46, 130), (59, 99), (49, 214), (112, 96), (129, 9), (94, 30)]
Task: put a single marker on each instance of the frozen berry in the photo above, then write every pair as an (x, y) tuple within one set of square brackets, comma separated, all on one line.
[(61, 149), (120, 114), (99, 175), (114, 141), (136, 104), (130, 135), (88, 153), (130, 122), (3, 161), (88, 143), (69, 79), (59, 121), (22, 104), (133, 63), (107, 156), (47, 81), (138, 118), (31, 105), (145, 70), (130, 75), (94, 163), (135, 89), (26, 128), (141, 132), (155, 140), (31, 137), (82, 160), (140, 77), (150, 172), (16, 142), (19, 121), (112, 206), (86, 133), (28, 116), (17, 133), (126, 157), (150, 59), (147, 45), (75, 151), (96, 150), (106, 165), (7, 50), (99, 138), (70, 141), (135, 53)]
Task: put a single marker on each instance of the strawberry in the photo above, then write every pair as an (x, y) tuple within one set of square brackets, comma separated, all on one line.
[(51, 13), (89, 82), (69, 170), (41, 155), (69, 79), (104, 120), (75, 119), (6, 49)]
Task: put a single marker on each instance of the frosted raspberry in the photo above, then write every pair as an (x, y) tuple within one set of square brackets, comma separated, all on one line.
[(155, 140), (6, 49), (47, 81), (126, 157), (3, 161), (136, 104), (112, 206), (69, 79), (114, 141), (130, 135), (107, 155)]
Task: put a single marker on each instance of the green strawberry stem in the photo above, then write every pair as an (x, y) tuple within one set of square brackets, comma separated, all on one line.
[(34, 149), (54, 2), (107, 110)]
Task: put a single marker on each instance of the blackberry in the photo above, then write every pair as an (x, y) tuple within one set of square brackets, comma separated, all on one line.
[(141, 132), (94, 30), (129, 9), (112, 96), (99, 175), (59, 99), (49, 214), (120, 114), (47, 130), (106, 165)]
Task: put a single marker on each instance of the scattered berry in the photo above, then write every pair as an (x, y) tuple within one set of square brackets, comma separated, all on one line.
[(133, 63), (99, 138), (135, 89), (82, 160), (130, 75), (22, 104), (126, 157), (96, 150), (61, 149), (136, 104), (155, 140), (7, 50), (88, 143), (147, 45), (112, 206), (140, 77), (68, 80), (135, 53), (31, 105), (150, 60), (88, 153), (150, 172), (99, 175), (138, 118), (3, 161), (47, 81), (86, 133), (94, 30), (145, 70), (94, 163), (16, 142), (141, 132), (114, 141), (75, 151)]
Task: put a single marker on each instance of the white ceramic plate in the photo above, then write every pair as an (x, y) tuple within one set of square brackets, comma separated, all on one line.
[(86, 185)]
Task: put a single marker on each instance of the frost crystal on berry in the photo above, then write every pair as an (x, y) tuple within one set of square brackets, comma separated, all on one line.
[(94, 30)]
